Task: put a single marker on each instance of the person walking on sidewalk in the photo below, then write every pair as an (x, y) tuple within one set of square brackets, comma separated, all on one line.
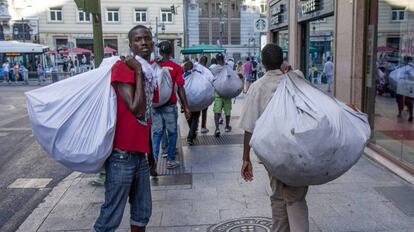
[(288, 203), (195, 115), (221, 103), (328, 70), (127, 168), (167, 115), (204, 130), (247, 73)]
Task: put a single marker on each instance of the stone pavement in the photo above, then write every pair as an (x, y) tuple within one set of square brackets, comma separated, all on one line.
[(366, 198)]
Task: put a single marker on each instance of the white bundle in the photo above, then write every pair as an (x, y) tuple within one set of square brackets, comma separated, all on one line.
[(199, 91), (164, 84), (305, 137), (74, 119), (226, 81)]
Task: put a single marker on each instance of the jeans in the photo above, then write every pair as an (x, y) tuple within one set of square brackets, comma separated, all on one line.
[(127, 175), (165, 116)]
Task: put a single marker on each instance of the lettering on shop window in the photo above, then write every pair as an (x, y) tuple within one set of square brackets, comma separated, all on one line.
[(279, 9), (310, 6)]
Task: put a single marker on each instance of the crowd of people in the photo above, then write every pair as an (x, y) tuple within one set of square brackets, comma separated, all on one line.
[(140, 129)]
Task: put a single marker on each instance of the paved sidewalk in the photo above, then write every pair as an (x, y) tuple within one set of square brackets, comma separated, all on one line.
[(366, 198)]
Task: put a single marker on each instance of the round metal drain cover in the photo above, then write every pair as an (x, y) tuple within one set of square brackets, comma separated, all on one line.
[(250, 224)]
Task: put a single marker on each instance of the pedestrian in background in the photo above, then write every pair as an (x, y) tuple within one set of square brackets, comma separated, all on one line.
[(288, 203), (247, 73), (6, 70), (204, 130), (195, 115), (328, 71), (167, 114)]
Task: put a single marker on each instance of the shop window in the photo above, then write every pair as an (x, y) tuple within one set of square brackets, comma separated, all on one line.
[(84, 16), (235, 32), (394, 84), (55, 15), (398, 14), (112, 15), (140, 15), (166, 16), (204, 32), (203, 8)]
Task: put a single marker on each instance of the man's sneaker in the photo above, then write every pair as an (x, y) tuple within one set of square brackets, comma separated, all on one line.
[(204, 130), (221, 121), (217, 133), (190, 142), (227, 129), (172, 164), (164, 155)]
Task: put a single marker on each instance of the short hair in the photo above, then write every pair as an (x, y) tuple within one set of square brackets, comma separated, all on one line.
[(272, 56), (329, 58), (203, 60), (248, 58), (213, 61), (165, 47), (220, 57), (188, 66), (139, 26)]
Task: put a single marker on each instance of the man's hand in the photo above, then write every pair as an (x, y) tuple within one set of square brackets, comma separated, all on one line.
[(247, 171), (133, 64), (187, 113)]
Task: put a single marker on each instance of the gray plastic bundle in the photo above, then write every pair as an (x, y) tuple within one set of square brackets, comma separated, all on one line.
[(199, 91), (74, 119), (305, 137), (164, 84), (226, 81)]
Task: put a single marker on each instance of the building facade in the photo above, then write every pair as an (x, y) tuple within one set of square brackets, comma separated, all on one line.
[(61, 25), (227, 23), (371, 45)]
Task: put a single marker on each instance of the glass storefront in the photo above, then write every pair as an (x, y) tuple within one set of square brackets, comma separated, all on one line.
[(283, 42), (393, 121)]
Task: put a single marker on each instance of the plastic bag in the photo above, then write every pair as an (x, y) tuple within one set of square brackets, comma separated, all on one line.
[(205, 72), (199, 91), (164, 84), (305, 137), (74, 119), (226, 82)]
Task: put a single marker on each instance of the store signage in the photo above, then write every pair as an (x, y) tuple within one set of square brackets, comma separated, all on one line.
[(279, 9), (310, 6), (278, 19), (260, 25)]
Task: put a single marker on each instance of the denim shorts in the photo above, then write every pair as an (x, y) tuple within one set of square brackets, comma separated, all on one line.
[(127, 175)]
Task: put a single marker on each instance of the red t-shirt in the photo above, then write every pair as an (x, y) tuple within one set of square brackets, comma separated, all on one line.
[(130, 135), (176, 72)]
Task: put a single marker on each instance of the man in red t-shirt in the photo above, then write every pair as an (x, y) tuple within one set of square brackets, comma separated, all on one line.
[(166, 116), (127, 170)]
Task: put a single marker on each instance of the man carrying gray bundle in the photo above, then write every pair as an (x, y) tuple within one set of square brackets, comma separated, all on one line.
[(288, 203)]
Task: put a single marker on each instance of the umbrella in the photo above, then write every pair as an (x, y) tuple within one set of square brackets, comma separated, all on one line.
[(109, 50), (79, 50), (203, 48), (386, 49)]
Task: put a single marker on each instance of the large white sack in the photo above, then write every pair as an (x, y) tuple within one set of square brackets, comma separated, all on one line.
[(199, 91), (74, 119), (205, 72), (305, 137), (164, 84), (226, 81)]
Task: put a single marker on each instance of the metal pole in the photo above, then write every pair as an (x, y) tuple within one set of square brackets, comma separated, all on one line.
[(97, 36), (24, 39), (156, 36)]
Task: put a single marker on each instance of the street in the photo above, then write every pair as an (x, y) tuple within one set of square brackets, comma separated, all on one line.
[(27, 173)]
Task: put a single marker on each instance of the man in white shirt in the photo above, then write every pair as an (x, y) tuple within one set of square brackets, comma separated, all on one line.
[(6, 69), (328, 70)]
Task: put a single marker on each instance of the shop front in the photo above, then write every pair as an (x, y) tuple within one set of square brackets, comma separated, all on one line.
[(391, 71), (278, 24), (317, 21)]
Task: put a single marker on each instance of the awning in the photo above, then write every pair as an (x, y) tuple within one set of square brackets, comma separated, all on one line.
[(203, 48), (109, 50)]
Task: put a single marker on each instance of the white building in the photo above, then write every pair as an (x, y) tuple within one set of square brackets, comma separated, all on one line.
[(59, 23)]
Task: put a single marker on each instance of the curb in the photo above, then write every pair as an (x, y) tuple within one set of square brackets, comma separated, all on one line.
[(39, 215)]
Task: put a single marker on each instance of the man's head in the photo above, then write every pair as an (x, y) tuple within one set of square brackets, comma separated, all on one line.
[(140, 41), (188, 66), (203, 60), (220, 59), (213, 61), (272, 56), (329, 58), (165, 48), (196, 59), (247, 58)]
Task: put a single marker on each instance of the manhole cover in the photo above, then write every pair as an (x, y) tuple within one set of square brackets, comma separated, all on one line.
[(251, 224)]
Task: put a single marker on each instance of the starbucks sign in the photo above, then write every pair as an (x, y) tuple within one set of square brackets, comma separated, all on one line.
[(260, 25)]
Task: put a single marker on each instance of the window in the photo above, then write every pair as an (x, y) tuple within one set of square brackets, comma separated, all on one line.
[(140, 15), (56, 15), (84, 17), (112, 15), (166, 16), (398, 14)]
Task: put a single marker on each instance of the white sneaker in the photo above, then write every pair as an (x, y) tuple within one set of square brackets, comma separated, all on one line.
[(172, 164), (204, 130)]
